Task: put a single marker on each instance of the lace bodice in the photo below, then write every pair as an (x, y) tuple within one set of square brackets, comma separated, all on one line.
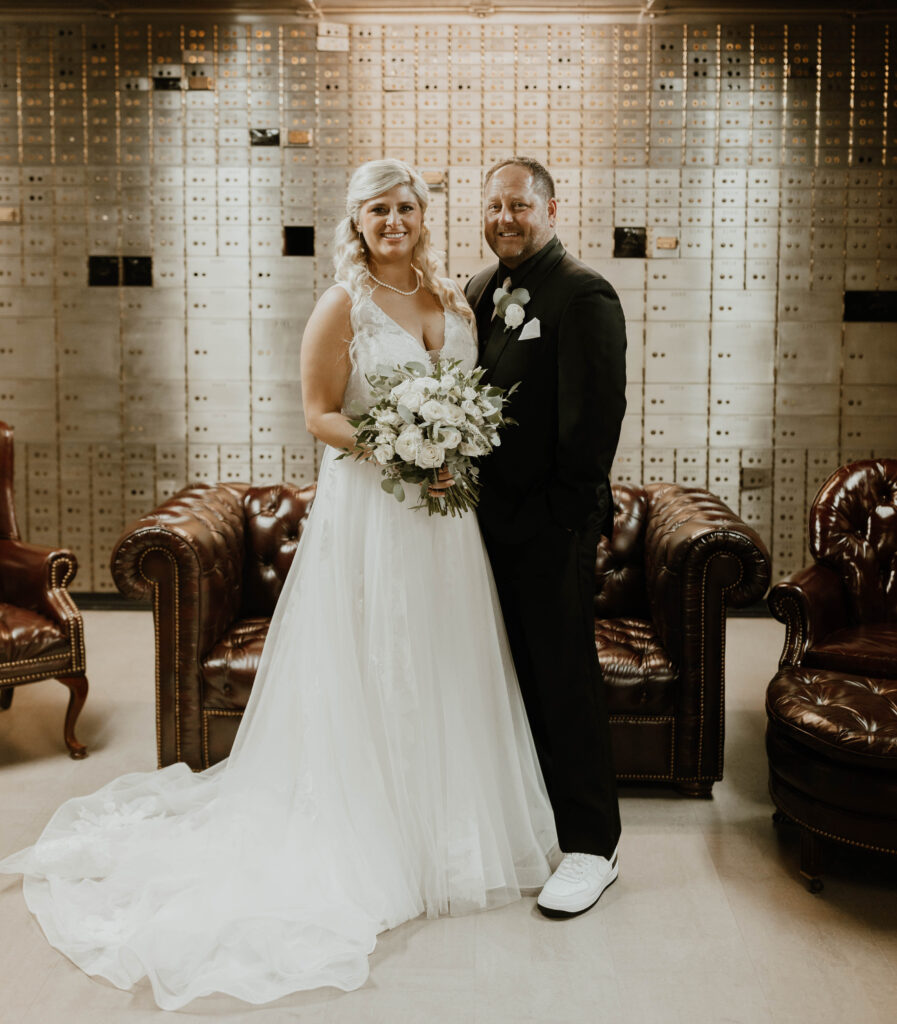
[(381, 341)]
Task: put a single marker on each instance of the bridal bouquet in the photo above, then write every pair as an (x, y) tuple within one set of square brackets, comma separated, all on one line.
[(428, 418)]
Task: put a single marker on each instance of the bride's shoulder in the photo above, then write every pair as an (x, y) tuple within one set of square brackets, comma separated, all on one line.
[(332, 314)]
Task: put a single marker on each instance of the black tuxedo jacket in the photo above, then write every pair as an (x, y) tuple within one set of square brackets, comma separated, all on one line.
[(553, 468)]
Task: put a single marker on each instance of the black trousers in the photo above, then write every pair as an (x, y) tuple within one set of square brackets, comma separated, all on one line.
[(546, 588)]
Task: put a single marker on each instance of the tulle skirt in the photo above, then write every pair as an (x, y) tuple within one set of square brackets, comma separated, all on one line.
[(384, 768)]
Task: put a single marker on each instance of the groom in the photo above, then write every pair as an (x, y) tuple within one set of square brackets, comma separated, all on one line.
[(546, 500)]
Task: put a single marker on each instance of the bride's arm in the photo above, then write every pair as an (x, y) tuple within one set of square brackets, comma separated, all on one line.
[(325, 368)]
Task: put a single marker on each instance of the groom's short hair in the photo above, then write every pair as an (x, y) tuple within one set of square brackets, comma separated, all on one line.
[(542, 180)]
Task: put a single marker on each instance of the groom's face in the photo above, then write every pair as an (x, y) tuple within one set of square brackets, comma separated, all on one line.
[(519, 220)]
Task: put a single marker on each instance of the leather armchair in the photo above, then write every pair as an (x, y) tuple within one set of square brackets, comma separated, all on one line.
[(41, 630), (831, 734), (213, 559), (841, 612), (678, 558)]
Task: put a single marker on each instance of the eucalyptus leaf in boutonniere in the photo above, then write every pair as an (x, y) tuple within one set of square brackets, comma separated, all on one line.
[(509, 306)]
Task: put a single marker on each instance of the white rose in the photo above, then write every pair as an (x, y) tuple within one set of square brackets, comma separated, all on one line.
[(399, 391), (469, 393), (514, 315), (385, 437), (412, 401), (407, 444), (471, 410), (448, 381), (424, 385), (383, 453), (429, 455), (454, 416), (432, 411), (389, 418), (449, 437)]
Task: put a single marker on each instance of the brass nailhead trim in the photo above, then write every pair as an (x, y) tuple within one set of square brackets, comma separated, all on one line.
[(176, 662), (206, 714), (837, 838)]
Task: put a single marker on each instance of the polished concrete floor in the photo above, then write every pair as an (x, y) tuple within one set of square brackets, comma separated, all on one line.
[(708, 922)]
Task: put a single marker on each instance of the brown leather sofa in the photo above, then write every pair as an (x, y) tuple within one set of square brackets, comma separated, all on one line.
[(41, 631), (214, 559), (678, 558), (831, 734)]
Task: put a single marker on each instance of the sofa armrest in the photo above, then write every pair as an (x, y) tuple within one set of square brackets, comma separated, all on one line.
[(812, 603), (699, 557), (187, 554), (37, 578)]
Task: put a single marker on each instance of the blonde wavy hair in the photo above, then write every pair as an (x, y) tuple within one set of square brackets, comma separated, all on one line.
[(350, 257)]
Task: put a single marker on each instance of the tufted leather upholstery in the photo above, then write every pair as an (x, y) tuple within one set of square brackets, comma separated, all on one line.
[(677, 558), (841, 612), (41, 631), (213, 558), (831, 740)]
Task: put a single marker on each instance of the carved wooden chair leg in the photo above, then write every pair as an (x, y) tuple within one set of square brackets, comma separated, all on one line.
[(811, 860), (5, 697), (77, 696)]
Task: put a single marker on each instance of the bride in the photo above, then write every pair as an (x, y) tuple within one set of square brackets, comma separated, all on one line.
[(384, 767)]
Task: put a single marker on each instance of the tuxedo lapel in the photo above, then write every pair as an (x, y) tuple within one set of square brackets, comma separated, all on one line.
[(498, 338), (482, 310)]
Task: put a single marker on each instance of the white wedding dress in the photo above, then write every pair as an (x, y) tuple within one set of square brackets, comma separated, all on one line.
[(384, 767)]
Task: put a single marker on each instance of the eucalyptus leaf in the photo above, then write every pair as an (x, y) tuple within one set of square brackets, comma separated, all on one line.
[(388, 484), (417, 368), (406, 414), (398, 491)]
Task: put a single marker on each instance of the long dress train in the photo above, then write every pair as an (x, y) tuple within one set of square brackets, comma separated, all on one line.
[(384, 767)]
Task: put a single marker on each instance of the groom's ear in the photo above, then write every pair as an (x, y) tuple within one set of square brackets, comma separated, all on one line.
[(552, 207)]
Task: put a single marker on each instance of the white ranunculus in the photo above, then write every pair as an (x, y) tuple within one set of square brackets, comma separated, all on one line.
[(454, 414), (407, 444), (471, 410), (447, 381), (383, 453), (385, 437), (514, 315), (432, 411), (449, 437), (429, 455), (469, 393)]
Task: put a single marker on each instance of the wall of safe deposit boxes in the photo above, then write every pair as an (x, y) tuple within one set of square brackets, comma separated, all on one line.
[(760, 158)]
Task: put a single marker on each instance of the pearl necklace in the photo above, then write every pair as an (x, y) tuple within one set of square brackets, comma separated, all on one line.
[(393, 288)]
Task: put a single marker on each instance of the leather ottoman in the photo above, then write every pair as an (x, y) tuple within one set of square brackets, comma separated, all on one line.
[(831, 740)]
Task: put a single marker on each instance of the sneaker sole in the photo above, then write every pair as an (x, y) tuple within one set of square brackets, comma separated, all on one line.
[(554, 913)]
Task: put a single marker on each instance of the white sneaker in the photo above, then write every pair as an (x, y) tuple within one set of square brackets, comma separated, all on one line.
[(578, 882)]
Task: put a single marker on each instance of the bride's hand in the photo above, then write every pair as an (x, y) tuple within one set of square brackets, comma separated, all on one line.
[(444, 480)]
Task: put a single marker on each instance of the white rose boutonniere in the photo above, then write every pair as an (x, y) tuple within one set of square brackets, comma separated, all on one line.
[(509, 306)]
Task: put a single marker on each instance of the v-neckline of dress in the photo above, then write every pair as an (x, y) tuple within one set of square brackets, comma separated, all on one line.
[(420, 343)]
